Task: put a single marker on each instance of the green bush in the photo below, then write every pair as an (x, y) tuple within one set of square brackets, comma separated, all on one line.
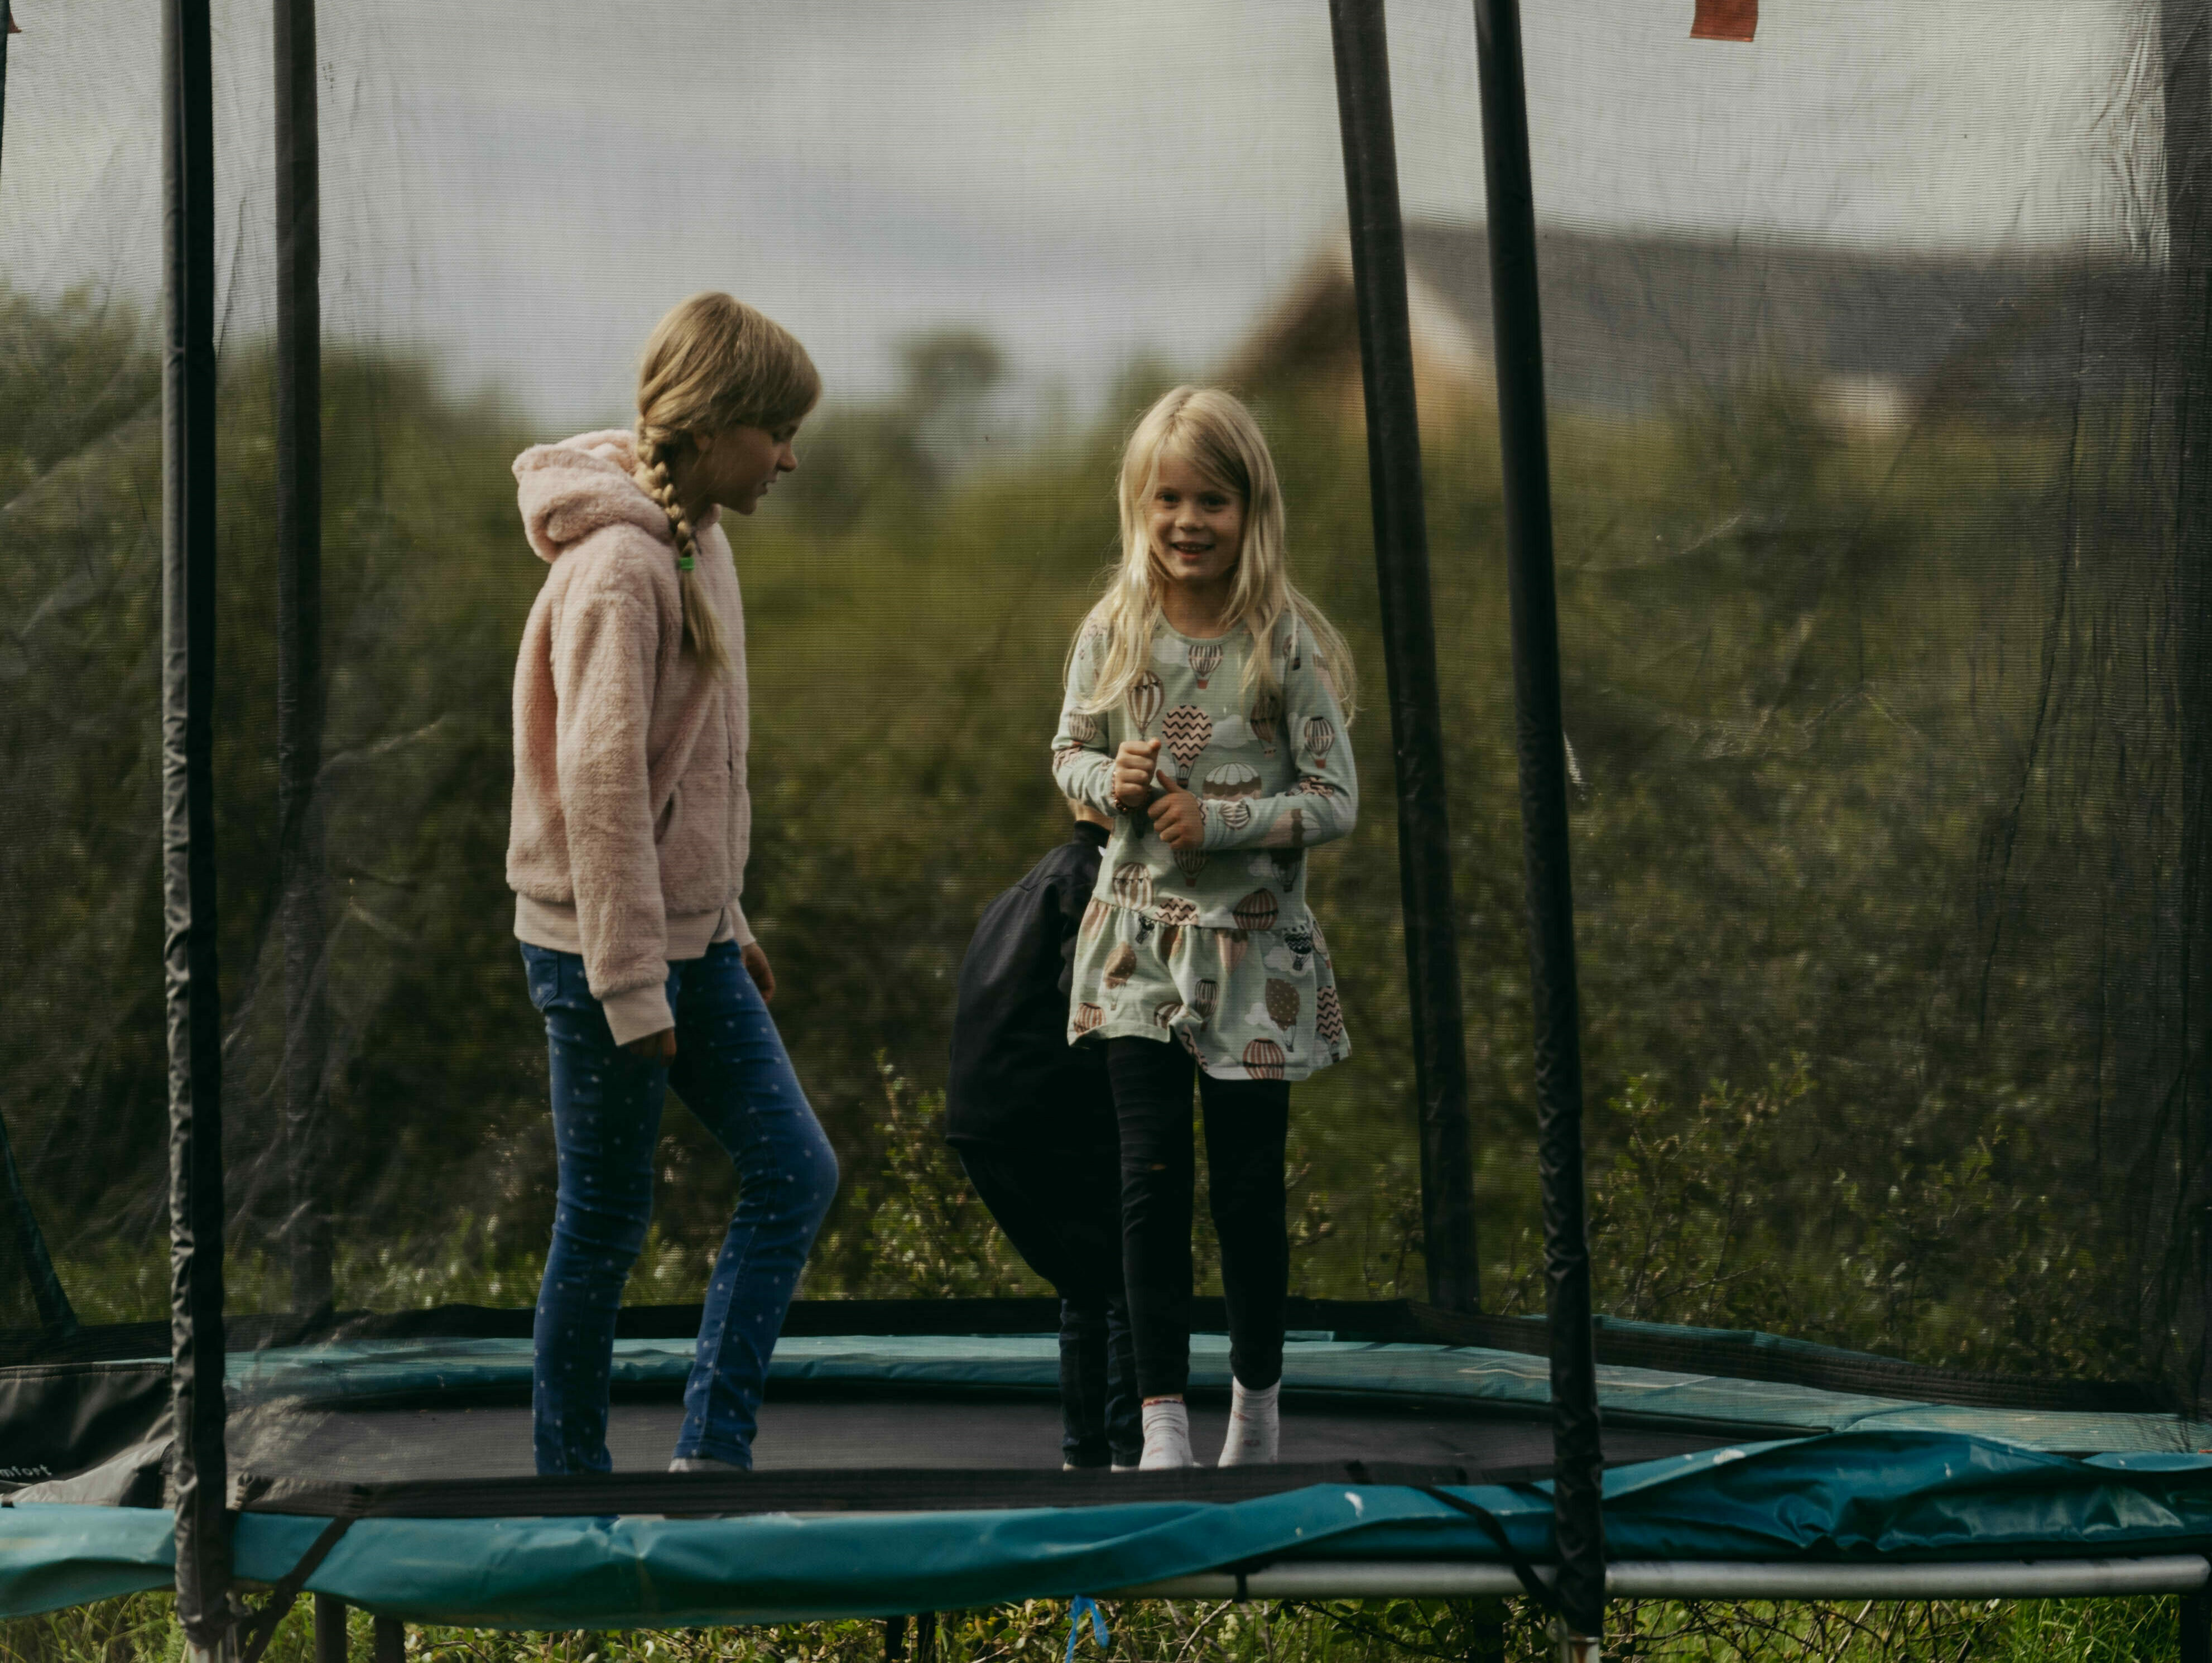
[(1819, 814)]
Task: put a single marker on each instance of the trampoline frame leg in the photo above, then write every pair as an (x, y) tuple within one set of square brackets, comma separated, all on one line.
[(1486, 1632), (2196, 1627), (391, 1640), (895, 1639), (330, 1629)]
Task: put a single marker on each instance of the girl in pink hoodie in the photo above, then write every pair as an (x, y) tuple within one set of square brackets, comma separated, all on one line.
[(627, 856)]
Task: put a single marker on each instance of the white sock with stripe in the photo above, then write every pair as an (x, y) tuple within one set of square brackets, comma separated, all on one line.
[(1167, 1436), (1254, 1428)]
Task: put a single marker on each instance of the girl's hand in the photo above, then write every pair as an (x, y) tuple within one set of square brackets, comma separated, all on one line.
[(1178, 817), (1134, 764), (654, 1047), (756, 967)]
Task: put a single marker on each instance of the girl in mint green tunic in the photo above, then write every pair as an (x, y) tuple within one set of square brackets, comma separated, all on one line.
[(1206, 707), (1213, 945)]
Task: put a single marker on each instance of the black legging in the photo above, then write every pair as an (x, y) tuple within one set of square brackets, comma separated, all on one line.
[(1245, 1123)]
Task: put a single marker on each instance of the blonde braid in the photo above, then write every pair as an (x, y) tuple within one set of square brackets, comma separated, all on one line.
[(711, 364), (702, 630)]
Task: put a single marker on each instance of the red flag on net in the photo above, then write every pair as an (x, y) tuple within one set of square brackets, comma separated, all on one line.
[(1725, 19)]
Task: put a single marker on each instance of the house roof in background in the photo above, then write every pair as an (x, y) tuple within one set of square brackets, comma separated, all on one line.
[(1632, 321)]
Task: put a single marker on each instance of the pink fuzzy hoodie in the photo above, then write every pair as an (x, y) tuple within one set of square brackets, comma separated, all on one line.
[(631, 819)]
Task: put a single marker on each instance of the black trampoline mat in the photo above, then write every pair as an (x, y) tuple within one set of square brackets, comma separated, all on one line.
[(995, 1433)]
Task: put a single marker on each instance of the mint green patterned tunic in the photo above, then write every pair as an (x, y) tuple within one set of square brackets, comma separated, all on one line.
[(1214, 947)]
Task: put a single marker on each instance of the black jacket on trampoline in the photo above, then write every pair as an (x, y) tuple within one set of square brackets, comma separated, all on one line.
[(1016, 1082)]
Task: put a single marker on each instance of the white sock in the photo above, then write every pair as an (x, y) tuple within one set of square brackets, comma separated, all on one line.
[(702, 1464), (1255, 1429), (1167, 1436)]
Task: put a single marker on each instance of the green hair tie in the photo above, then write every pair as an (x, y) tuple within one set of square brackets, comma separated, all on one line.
[(684, 562)]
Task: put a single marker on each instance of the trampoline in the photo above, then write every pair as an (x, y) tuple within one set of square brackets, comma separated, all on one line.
[(1817, 495)]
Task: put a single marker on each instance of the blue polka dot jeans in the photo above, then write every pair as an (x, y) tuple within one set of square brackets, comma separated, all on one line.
[(731, 1071)]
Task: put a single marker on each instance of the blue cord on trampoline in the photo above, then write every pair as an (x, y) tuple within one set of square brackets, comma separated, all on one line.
[(1081, 1606)]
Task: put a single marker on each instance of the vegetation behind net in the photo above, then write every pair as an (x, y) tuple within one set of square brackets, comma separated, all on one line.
[(1880, 834)]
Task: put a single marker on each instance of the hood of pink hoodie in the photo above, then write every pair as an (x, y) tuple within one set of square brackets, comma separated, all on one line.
[(575, 487)]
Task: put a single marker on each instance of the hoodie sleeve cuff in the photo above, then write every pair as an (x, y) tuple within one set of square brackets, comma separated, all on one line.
[(636, 1012), (744, 931)]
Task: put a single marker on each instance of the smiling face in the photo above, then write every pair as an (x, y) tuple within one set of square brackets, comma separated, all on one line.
[(1197, 525), (736, 466)]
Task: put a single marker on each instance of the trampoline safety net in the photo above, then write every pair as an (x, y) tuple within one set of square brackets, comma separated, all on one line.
[(1879, 424)]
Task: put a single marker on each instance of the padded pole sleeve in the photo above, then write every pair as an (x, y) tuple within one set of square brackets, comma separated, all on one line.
[(2185, 39), (300, 683), (1541, 743), (188, 882), (1401, 564)]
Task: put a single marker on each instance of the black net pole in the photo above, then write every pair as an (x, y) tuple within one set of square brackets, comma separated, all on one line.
[(188, 897), (7, 25), (299, 693), (1402, 563), (2185, 30), (1526, 457)]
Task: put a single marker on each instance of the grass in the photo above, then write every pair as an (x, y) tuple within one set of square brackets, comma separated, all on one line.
[(2141, 1630)]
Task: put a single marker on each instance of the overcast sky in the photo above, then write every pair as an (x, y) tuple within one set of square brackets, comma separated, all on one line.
[(525, 186)]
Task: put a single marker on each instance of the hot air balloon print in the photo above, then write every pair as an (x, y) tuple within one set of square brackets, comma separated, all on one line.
[(1263, 1060), (1146, 695), (1287, 862), (1190, 862), (1187, 729), (1294, 652), (1237, 814), (1234, 943), (1088, 1016), (1093, 916), (1083, 728), (1205, 660), (1298, 938), (1282, 1004), (1320, 735), (1266, 716), (1257, 911), (1177, 912), (1121, 966), (1310, 786), (1328, 1018), (1132, 884), (1204, 998), (1231, 780), (1163, 1013)]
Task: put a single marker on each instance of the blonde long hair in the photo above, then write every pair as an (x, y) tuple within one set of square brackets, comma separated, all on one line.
[(1217, 435), (711, 364)]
